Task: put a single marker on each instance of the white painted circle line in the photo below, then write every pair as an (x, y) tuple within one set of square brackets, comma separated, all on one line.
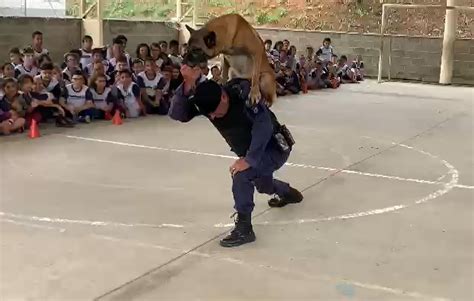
[(453, 172), (446, 188)]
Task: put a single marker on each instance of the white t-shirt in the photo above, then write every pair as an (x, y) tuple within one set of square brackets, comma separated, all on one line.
[(77, 98), (86, 58), (21, 69), (100, 100), (150, 85), (130, 96)]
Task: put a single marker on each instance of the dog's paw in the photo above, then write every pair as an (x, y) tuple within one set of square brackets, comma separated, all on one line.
[(255, 96)]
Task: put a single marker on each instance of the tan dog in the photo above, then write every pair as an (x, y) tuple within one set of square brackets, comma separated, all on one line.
[(244, 53)]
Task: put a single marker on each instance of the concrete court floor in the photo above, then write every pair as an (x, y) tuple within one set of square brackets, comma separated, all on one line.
[(134, 212)]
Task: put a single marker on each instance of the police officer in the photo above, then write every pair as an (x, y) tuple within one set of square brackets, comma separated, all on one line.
[(253, 134)]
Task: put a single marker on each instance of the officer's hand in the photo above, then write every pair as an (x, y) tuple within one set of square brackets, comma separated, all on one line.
[(238, 166)]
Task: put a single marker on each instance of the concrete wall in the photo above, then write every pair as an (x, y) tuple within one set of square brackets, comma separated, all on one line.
[(60, 35), (413, 58), (138, 32)]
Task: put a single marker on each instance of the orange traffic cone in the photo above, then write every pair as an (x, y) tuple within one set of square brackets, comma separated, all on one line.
[(34, 131), (117, 120), (304, 87)]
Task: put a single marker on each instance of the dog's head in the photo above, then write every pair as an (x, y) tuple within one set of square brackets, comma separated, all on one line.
[(204, 40)]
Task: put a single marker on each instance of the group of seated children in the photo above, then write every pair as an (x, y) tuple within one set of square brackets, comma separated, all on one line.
[(319, 70), (88, 85), (95, 83)]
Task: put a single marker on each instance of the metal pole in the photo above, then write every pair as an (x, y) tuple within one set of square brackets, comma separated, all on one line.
[(390, 59), (447, 57), (100, 18), (179, 9), (382, 31), (194, 13)]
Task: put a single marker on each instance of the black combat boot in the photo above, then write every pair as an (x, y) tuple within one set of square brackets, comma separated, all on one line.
[(242, 233), (293, 196)]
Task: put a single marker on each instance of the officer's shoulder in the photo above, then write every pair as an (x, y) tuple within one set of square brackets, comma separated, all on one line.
[(257, 109)]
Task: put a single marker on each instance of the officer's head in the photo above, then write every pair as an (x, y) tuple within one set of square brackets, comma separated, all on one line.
[(192, 64), (211, 100)]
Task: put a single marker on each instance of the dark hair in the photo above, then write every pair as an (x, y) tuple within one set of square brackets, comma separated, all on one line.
[(9, 80), (214, 67), (148, 52), (66, 55), (15, 50), (156, 45), (93, 78), (285, 40), (27, 50), (195, 58), (278, 43), (117, 41), (163, 42), (98, 50), (149, 59), (168, 68), (343, 57), (23, 78), (122, 59), (36, 33), (174, 43), (78, 72), (122, 38), (125, 71), (6, 64), (327, 40), (137, 61), (47, 66), (87, 37), (268, 42), (44, 58)]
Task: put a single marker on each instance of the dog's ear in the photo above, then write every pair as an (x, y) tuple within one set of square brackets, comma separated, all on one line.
[(210, 39), (190, 29)]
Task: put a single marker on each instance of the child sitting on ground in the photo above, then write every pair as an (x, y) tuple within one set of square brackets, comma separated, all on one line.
[(151, 84), (72, 65), (40, 103), (130, 95), (326, 51), (102, 96), (77, 99), (15, 57), (28, 65), (11, 108), (8, 71), (288, 82), (50, 83), (358, 68), (344, 72)]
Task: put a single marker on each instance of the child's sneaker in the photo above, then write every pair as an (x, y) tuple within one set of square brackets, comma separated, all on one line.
[(87, 119)]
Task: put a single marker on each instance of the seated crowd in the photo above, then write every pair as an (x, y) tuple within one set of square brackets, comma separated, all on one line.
[(97, 83)]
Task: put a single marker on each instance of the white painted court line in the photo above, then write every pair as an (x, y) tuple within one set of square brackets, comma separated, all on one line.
[(368, 174), (83, 222), (368, 286), (26, 224)]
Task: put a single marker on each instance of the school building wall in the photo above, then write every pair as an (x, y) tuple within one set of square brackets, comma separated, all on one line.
[(413, 58), (61, 35)]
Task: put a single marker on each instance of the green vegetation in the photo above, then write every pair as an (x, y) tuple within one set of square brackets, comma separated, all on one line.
[(272, 16)]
